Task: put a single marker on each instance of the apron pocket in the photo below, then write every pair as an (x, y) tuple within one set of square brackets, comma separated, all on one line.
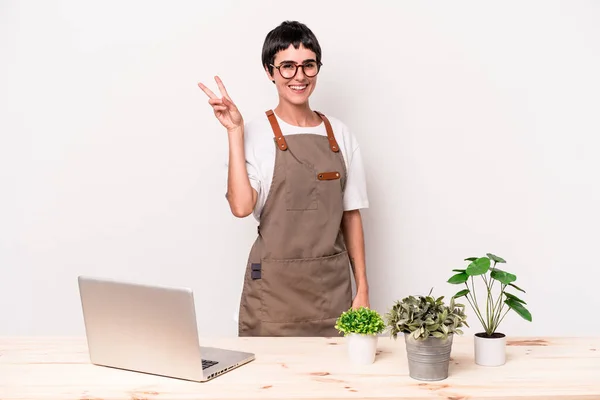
[(300, 188), (302, 290)]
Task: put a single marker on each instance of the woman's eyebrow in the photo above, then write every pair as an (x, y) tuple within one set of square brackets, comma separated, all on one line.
[(294, 62)]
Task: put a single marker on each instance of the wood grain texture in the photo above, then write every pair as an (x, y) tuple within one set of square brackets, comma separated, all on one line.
[(307, 368)]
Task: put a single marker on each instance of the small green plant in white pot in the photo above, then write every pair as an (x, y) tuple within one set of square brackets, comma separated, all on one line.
[(428, 325), (360, 327), (490, 345)]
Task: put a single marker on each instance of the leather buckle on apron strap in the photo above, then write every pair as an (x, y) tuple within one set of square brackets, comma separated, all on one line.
[(255, 273), (332, 142), (281, 143), (328, 176), (280, 139)]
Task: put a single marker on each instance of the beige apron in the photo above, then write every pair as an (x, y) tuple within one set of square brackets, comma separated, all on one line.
[(298, 277)]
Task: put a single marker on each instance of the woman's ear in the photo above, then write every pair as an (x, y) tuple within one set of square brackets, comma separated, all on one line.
[(269, 74)]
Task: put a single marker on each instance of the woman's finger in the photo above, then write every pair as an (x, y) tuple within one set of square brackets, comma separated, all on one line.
[(220, 108), (229, 103), (222, 87), (214, 102), (208, 92)]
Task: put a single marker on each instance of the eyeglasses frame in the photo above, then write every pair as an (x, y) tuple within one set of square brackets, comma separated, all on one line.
[(319, 65)]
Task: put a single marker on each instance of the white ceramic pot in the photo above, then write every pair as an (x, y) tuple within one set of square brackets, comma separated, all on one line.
[(490, 351), (361, 348)]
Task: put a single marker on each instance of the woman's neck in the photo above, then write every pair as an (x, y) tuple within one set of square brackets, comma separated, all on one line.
[(297, 115)]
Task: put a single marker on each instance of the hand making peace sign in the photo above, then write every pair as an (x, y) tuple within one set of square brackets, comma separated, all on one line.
[(225, 110)]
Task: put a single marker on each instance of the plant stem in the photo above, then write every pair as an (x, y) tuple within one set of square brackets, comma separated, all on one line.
[(503, 316), (474, 296), (497, 317), (491, 299), (477, 313), (489, 303), (499, 306), (473, 291), (492, 284), (494, 311)]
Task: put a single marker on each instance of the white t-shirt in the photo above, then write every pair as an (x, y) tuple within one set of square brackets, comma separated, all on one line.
[(260, 159)]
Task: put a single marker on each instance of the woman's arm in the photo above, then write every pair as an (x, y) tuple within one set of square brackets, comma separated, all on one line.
[(352, 229), (240, 195)]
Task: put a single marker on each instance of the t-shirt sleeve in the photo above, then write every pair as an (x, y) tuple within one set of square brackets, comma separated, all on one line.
[(355, 195), (253, 175)]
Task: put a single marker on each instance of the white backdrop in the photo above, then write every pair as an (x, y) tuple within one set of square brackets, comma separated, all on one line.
[(478, 123)]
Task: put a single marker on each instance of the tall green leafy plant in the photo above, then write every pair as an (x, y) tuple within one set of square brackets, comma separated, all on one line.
[(495, 308)]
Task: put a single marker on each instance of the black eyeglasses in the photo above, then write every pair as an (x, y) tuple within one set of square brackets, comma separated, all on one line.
[(288, 70)]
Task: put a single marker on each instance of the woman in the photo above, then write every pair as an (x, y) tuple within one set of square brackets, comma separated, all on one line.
[(301, 175)]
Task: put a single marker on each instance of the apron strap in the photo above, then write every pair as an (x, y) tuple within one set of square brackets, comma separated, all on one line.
[(332, 142), (277, 130), (281, 143)]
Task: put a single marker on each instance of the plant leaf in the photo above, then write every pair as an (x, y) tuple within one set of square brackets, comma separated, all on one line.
[(462, 293), (421, 316), (502, 276), (459, 270), (516, 287), (458, 278), (495, 258), (478, 267), (471, 259), (512, 296), (362, 320), (519, 309)]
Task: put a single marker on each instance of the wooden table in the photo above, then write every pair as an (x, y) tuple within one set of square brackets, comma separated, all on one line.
[(307, 368)]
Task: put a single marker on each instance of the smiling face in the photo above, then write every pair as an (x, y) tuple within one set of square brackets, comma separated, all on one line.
[(298, 89)]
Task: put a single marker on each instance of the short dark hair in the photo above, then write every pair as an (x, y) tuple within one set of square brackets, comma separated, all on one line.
[(288, 33)]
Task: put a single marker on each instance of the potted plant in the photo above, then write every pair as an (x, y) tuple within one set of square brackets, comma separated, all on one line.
[(428, 325), (361, 326), (490, 345)]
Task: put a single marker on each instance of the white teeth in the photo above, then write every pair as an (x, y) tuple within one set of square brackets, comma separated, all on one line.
[(298, 87)]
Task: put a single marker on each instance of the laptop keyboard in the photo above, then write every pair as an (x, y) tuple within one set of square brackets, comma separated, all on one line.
[(208, 363)]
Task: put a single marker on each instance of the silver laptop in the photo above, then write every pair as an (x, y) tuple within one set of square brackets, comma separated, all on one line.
[(150, 329)]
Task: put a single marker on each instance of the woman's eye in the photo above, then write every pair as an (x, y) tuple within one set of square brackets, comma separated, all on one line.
[(288, 66)]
